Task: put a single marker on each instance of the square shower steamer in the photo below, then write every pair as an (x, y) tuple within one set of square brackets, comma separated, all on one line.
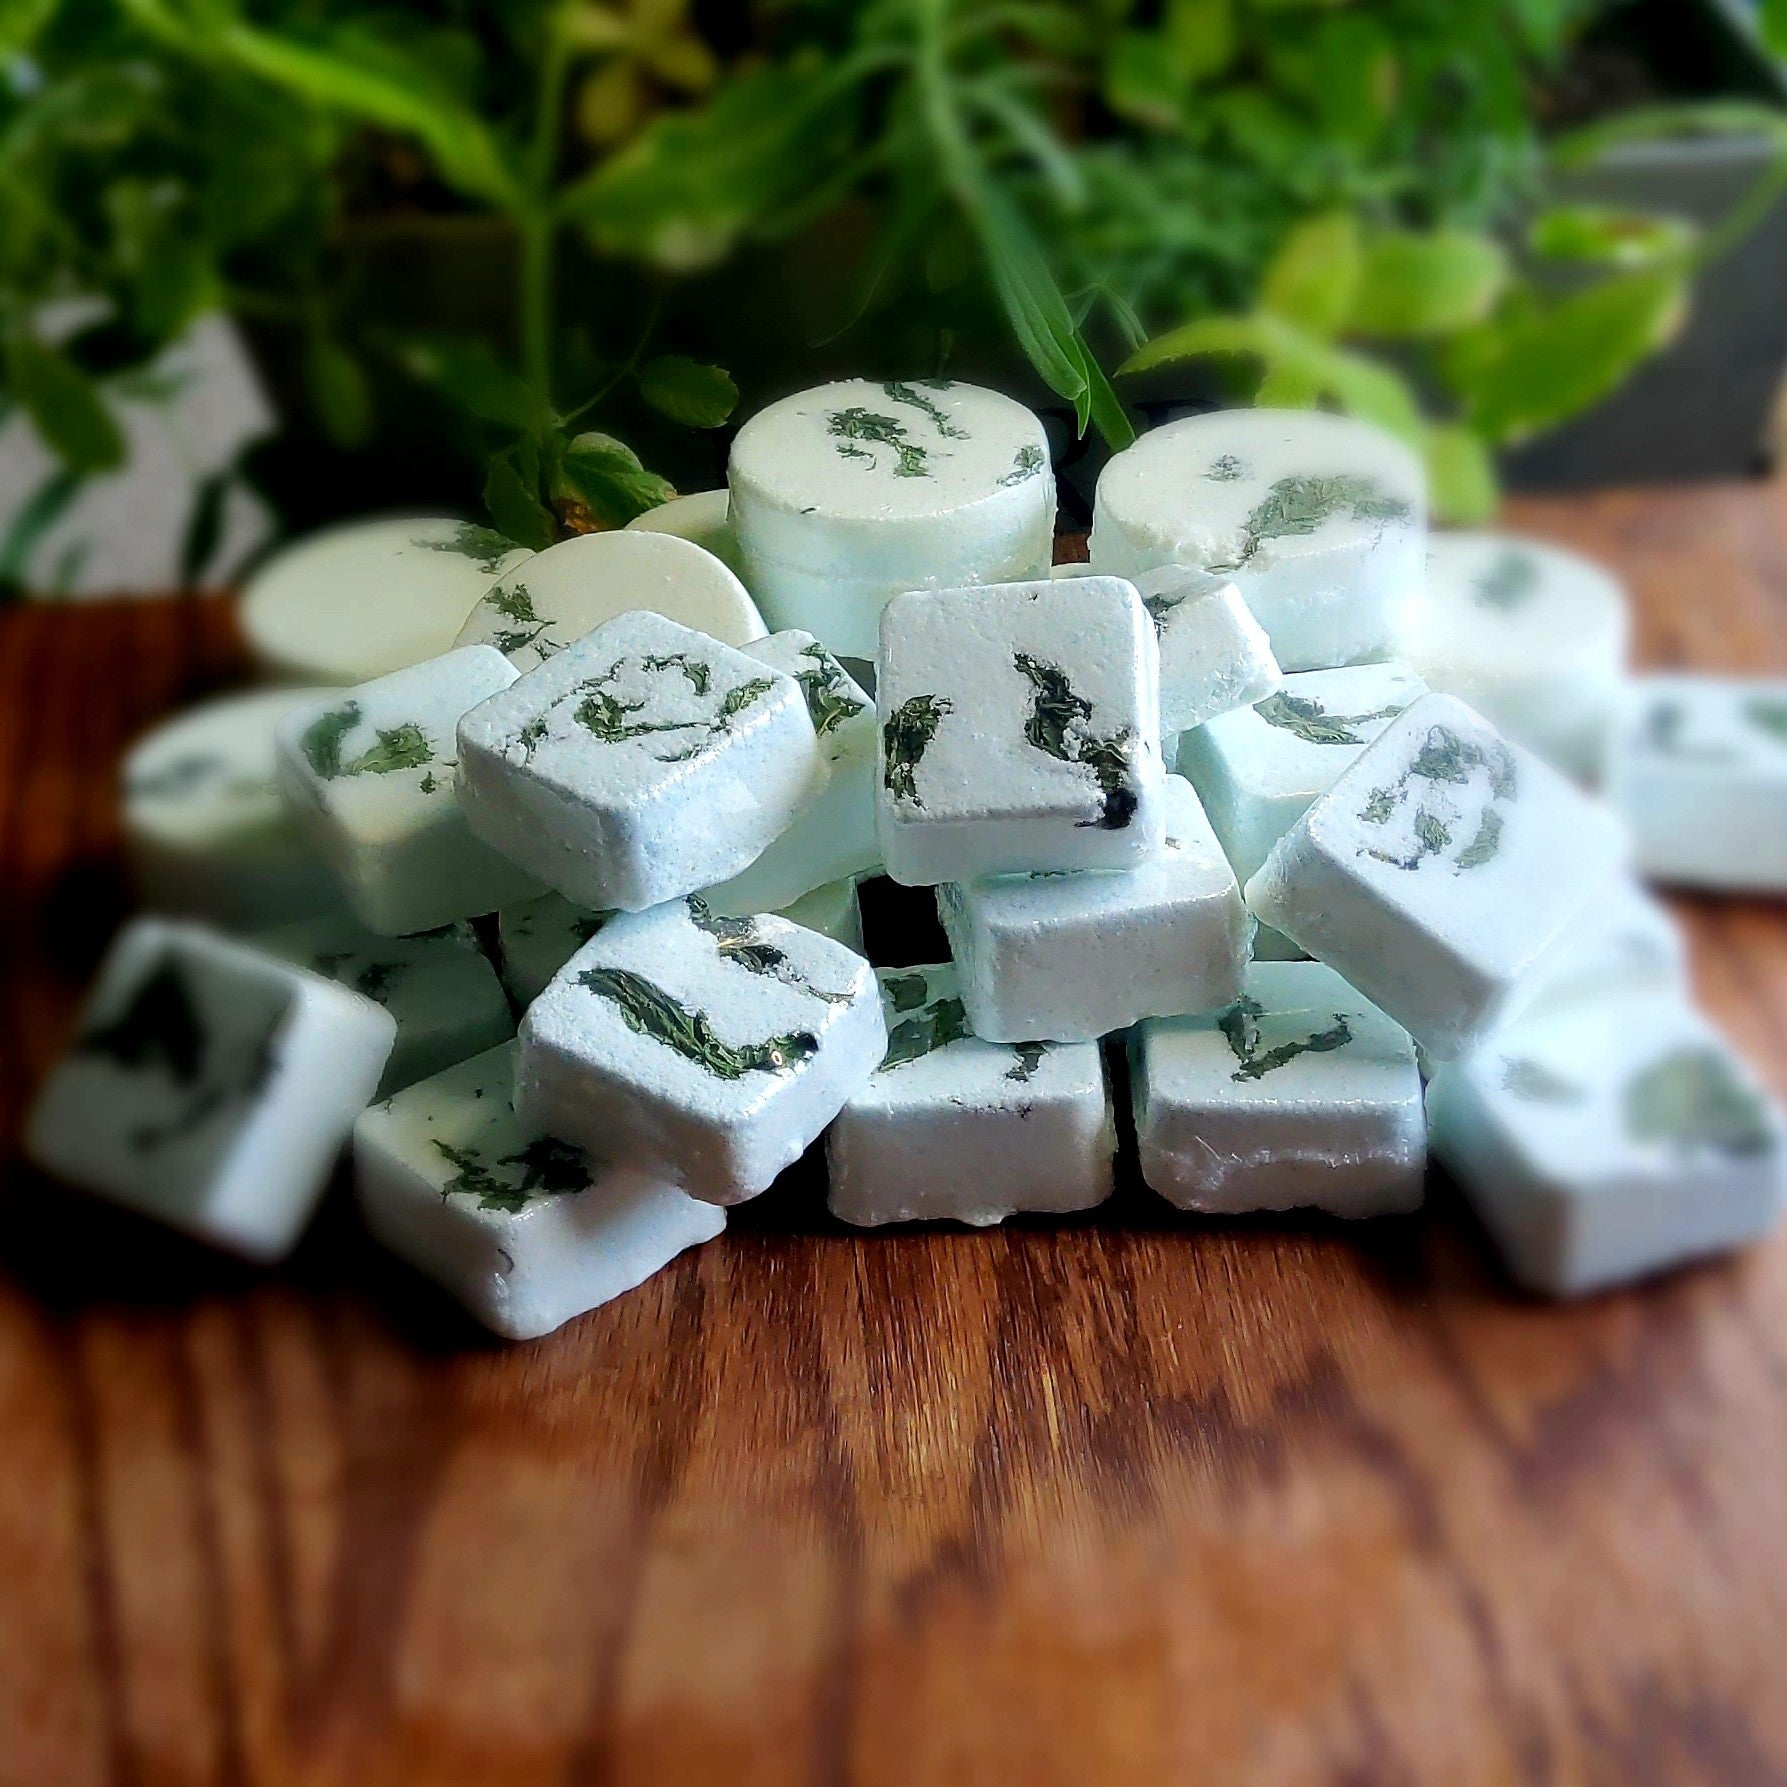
[(1438, 869), (953, 1128), (1300, 1093), (1074, 957), (524, 1230), (709, 1050), (1020, 730), (210, 1086), (642, 762), (1611, 1139), (369, 774)]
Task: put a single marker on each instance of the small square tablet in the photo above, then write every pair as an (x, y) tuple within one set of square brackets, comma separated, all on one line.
[(1438, 869), (369, 775), (833, 837), (1214, 656), (210, 1086), (1020, 730), (1258, 769), (953, 1128), (1300, 1093), (642, 762), (1074, 957), (1610, 1140), (707, 1049), (438, 985), (524, 1230), (1699, 769)]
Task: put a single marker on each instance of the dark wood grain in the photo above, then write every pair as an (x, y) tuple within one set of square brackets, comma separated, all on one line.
[(1130, 1500)]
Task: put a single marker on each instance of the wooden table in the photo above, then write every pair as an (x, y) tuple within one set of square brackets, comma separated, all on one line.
[(1131, 1500)]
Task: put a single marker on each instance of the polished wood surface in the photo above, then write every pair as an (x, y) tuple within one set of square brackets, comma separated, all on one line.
[(1126, 1500)]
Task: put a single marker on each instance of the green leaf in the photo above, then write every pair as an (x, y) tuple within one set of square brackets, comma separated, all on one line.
[(687, 392), (1774, 26), (605, 474), (1414, 284), (20, 23), (1462, 484), (40, 512), (1204, 36), (1143, 81), (464, 152), (1552, 361), (515, 506), (338, 392), (468, 372), (1663, 123), (63, 404), (1605, 235), (1313, 279)]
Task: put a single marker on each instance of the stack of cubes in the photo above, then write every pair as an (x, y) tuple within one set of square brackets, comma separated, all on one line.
[(1268, 809)]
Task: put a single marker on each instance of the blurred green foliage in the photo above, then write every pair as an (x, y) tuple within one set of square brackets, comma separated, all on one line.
[(1319, 196)]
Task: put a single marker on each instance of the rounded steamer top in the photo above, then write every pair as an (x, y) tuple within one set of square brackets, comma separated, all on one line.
[(1239, 489), (572, 588), (1501, 596), (370, 597), (886, 450), (703, 516)]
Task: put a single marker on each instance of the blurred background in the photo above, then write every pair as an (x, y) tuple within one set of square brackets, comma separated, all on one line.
[(267, 263)]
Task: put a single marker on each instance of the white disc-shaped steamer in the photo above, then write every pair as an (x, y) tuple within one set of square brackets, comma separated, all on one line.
[(1320, 521), (703, 516), (370, 597), (1533, 637), (570, 589), (845, 495), (205, 829)]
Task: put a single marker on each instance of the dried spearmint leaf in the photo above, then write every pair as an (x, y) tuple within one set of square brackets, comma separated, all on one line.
[(1509, 583), (393, 748), (1240, 1026), (1538, 1084), (905, 736), (1768, 716), (1226, 470), (906, 992), (852, 427), (515, 602), (1297, 506), (1030, 1055), (1056, 727), (740, 940), (484, 546), (830, 698), (915, 399), (1691, 1100), (935, 1027), (185, 775), (1312, 722), (377, 980), (650, 1011), (1446, 759), (1029, 461), (160, 1030), (607, 717), (544, 1168)]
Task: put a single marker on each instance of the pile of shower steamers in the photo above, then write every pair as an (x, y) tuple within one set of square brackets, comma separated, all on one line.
[(541, 889)]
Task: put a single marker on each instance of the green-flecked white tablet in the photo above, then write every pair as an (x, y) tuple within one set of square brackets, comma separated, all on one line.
[(1533, 637), (571, 589), (847, 494), (1318, 520), (370, 597), (703, 516), (205, 829)]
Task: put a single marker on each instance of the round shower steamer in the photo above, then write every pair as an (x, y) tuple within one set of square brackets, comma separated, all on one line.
[(362, 600), (1533, 637), (704, 516), (848, 494), (1320, 522), (205, 829), (572, 588)]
